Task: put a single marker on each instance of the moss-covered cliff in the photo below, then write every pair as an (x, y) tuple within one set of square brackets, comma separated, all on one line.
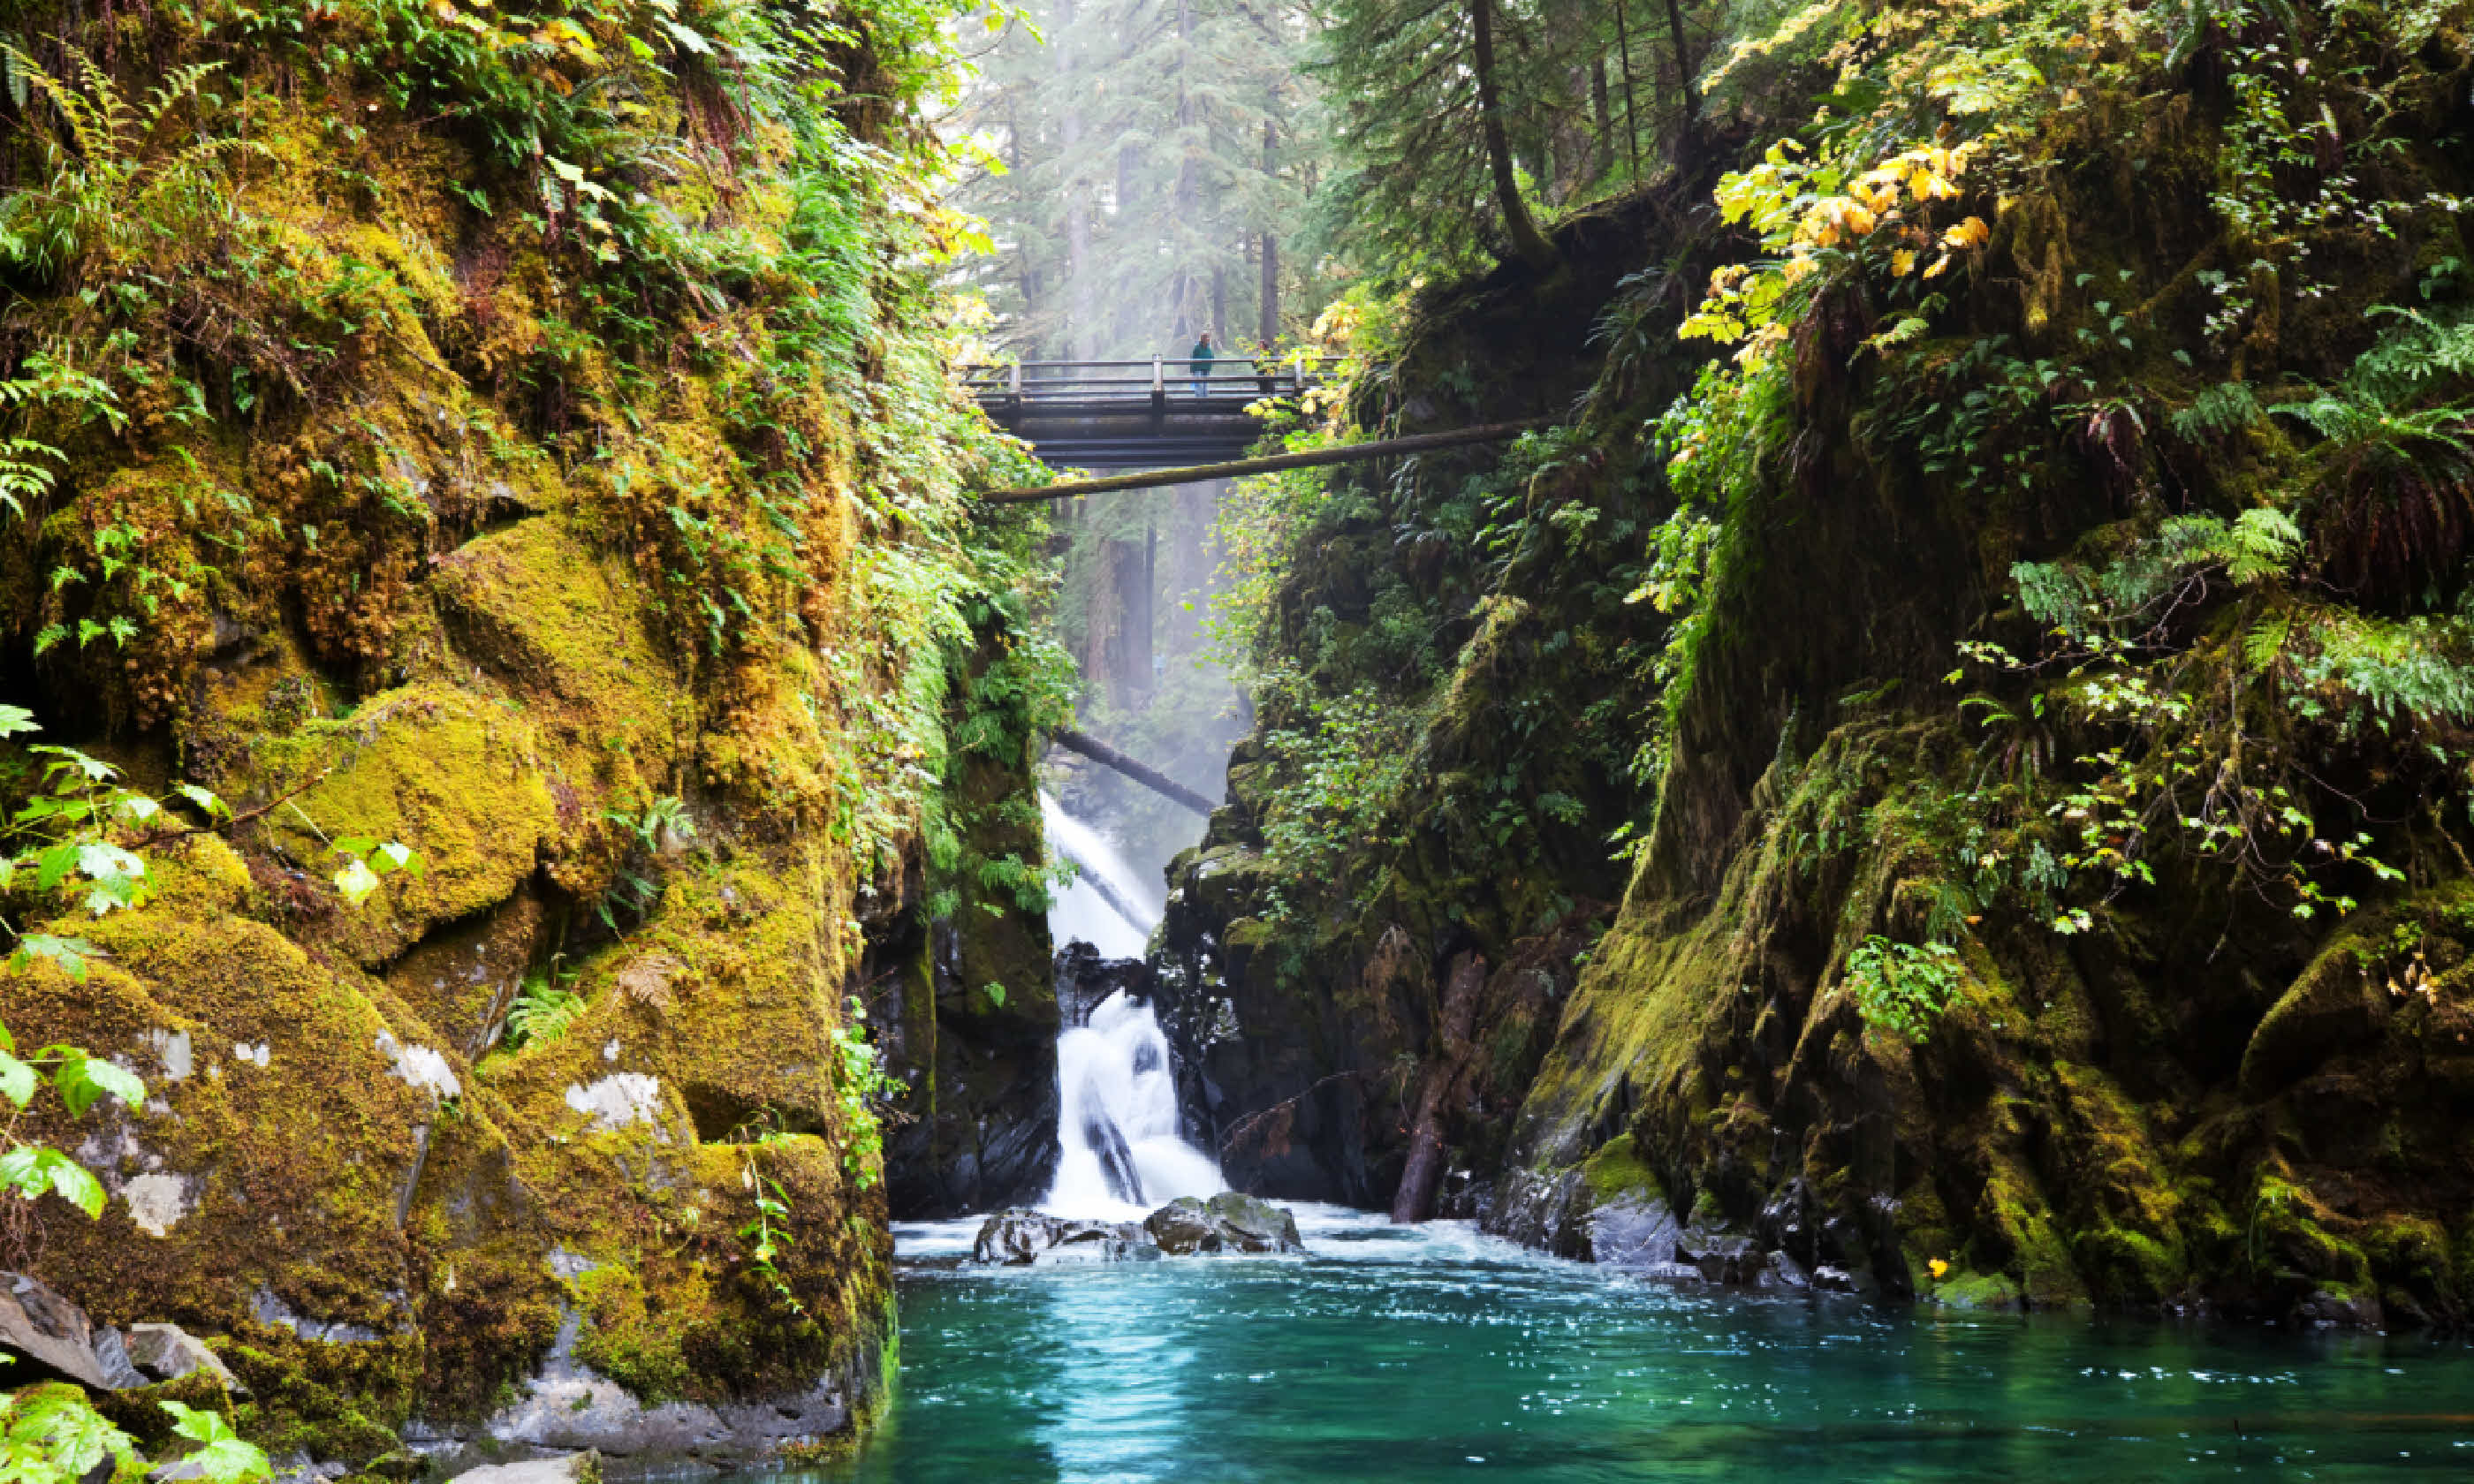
[(523, 438), (2016, 646)]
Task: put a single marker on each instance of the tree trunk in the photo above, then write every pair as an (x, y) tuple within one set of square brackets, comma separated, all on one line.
[(1415, 1200), (1078, 314), (1526, 240), (1632, 124), (1602, 116), (1683, 67), (1270, 308)]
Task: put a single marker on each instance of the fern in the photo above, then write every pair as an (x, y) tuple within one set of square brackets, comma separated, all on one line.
[(115, 191), (544, 1010), (2224, 408), (2400, 671)]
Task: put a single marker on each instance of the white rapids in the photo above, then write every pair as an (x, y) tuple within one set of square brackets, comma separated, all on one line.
[(1117, 1125), (1117, 1119)]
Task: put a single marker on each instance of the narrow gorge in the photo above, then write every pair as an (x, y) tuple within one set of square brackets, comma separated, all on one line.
[(1768, 766)]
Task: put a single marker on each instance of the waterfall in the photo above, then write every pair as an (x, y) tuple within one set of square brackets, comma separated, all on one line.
[(1116, 1091), (1083, 911), (1117, 1119)]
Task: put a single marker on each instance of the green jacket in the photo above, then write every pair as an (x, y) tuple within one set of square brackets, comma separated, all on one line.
[(1203, 355)]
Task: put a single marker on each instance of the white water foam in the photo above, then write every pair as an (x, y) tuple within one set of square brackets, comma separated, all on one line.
[(1117, 1119), (1080, 913)]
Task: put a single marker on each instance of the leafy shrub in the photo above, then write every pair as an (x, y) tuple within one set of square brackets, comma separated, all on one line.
[(1903, 988)]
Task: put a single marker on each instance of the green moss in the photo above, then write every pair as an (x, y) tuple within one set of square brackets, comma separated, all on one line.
[(625, 1340), (1613, 1171)]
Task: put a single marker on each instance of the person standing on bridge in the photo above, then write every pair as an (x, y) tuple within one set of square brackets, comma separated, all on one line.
[(1198, 362)]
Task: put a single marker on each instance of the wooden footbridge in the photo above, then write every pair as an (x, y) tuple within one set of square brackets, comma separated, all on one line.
[(1138, 415), (1168, 425)]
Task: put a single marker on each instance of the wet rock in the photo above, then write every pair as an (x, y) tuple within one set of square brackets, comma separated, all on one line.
[(1635, 1231), (1183, 1228), (1016, 1238), (1084, 979), (1255, 1225), (2324, 1309), (166, 1352), (584, 1468), (1831, 1280), (1227, 1222), (1723, 1255), (49, 1335)]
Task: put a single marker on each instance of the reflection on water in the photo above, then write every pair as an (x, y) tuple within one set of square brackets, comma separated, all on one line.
[(1390, 1355)]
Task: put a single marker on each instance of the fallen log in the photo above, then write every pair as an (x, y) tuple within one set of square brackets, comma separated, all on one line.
[(1089, 876), (1150, 777), (1415, 442)]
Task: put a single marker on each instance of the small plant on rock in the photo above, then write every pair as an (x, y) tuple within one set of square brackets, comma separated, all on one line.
[(1903, 988)]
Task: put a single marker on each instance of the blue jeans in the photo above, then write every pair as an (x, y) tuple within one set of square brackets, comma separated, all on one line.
[(1202, 388)]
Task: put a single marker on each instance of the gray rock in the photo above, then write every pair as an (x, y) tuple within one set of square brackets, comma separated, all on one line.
[(583, 1467), (1183, 1228), (48, 1334), (166, 1352), (1252, 1224), (1633, 1231), (1227, 1222), (269, 1309), (112, 1356), (1018, 1237)]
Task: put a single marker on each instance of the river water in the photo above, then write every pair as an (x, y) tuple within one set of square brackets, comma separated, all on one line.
[(1435, 1352)]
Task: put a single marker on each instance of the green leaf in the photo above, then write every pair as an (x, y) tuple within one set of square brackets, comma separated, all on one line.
[(51, 1434), (17, 720), (225, 1459), (70, 953), (17, 1080), (82, 1079), (354, 844), (71, 1180), (356, 881), (214, 808)]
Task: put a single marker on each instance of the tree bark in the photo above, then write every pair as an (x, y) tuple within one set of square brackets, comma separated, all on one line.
[(1269, 308), (1149, 777), (1632, 124), (1683, 67), (1526, 240), (1415, 1200)]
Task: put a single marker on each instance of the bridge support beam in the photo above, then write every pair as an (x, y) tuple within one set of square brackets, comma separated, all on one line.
[(1492, 433)]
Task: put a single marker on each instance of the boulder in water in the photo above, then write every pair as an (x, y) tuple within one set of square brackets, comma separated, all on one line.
[(1227, 1222), (1018, 1237), (1183, 1226)]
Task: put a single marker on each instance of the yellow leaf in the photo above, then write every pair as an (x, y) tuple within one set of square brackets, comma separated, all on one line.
[(1939, 266), (1939, 1268), (1902, 262), (1970, 234)]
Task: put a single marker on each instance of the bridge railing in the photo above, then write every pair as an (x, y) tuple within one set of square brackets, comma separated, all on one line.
[(1137, 382)]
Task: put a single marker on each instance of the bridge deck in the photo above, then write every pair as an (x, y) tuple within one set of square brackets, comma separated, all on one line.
[(1132, 414)]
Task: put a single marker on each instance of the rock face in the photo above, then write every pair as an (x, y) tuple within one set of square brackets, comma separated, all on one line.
[(980, 1117), (610, 660), (2171, 1088)]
